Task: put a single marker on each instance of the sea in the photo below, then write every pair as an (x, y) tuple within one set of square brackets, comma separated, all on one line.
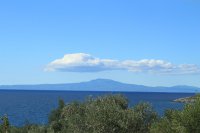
[(29, 106)]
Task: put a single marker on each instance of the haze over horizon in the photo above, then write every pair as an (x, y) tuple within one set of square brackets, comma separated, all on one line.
[(105, 85), (92, 80), (151, 43)]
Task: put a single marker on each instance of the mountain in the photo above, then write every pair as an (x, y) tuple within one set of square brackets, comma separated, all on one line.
[(101, 85)]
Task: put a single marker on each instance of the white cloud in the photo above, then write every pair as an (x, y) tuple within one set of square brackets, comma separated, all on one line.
[(81, 62)]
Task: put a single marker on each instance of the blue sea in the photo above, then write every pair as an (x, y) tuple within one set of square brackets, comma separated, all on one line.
[(34, 106)]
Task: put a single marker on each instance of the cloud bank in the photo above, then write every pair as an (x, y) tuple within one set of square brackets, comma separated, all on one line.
[(81, 62)]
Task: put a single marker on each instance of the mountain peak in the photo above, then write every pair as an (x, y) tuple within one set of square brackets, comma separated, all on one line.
[(102, 80), (105, 81), (102, 85)]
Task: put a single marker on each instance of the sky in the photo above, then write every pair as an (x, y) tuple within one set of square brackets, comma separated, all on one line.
[(153, 43)]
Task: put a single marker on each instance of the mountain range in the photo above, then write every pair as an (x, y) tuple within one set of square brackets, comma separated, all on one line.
[(102, 85)]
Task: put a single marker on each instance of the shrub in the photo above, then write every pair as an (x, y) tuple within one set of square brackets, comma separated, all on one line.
[(5, 125), (105, 114), (185, 121)]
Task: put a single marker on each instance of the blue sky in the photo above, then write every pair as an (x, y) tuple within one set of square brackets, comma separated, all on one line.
[(35, 33)]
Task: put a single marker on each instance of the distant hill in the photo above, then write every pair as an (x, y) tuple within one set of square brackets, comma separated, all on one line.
[(101, 85)]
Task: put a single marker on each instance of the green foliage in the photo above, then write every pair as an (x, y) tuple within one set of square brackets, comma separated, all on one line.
[(56, 114), (5, 125), (185, 121), (191, 117), (55, 117), (111, 114), (31, 129), (105, 114)]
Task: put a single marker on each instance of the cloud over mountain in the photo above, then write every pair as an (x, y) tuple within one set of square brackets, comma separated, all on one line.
[(81, 62)]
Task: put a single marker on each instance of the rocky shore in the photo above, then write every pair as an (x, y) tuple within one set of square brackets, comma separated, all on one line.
[(186, 99)]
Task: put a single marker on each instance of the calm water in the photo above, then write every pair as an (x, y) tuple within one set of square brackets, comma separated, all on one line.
[(34, 106)]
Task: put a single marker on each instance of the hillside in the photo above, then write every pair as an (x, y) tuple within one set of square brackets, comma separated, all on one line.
[(101, 85)]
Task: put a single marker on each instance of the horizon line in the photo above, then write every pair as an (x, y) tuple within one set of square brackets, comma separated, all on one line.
[(178, 85)]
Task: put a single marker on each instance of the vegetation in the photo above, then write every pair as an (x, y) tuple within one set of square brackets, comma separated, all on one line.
[(4, 127), (103, 114), (185, 121), (113, 115)]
